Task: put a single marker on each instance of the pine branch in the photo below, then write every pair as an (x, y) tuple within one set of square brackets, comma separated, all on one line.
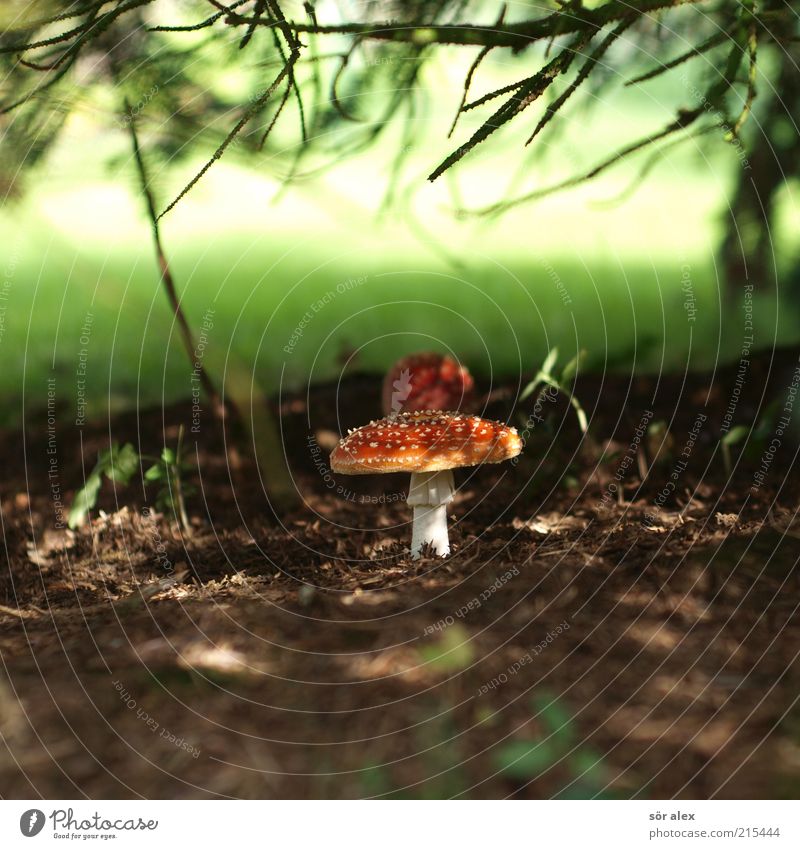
[(655, 157), (582, 75), (208, 22), (516, 36), (258, 9), (471, 73), (41, 23), (92, 29), (294, 46), (683, 120), (492, 95), (260, 426), (336, 101), (529, 92), (167, 279), (435, 24), (283, 101), (252, 110), (752, 52), (697, 50)]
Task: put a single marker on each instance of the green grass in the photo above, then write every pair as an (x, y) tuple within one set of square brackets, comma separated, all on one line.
[(501, 321), (571, 271)]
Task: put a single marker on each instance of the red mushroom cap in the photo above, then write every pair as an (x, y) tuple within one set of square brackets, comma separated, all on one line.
[(428, 381), (424, 441)]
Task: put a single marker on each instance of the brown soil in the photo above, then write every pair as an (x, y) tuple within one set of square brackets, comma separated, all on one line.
[(582, 640)]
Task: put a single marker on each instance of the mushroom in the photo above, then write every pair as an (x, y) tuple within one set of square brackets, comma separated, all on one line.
[(429, 444), (428, 381)]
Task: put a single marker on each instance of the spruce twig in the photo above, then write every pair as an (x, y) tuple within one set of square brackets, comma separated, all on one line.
[(215, 399)]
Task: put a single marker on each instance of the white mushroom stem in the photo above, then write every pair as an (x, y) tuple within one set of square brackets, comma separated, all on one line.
[(429, 495)]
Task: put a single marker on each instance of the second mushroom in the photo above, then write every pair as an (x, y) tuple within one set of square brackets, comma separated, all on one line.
[(429, 444), (428, 381)]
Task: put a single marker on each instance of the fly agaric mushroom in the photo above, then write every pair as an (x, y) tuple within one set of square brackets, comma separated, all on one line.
[(429, 444), (428, 381)]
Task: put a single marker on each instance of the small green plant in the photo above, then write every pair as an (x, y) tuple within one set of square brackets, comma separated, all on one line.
[(120, 464), (564, 384), (439, 762), (733, 437), (168, 470), (452, 652), (660, 442), (525, 760), (755, 436), (115, 463)]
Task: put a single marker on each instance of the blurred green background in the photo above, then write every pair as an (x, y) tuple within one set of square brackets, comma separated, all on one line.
[(629, 276)]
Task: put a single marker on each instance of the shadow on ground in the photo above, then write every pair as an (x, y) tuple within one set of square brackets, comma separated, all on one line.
[(589, 636)]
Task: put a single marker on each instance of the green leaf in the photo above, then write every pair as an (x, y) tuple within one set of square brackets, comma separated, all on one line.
[(530, 388), (525, 759), (544, 375), (556, 718), (569, 482), (104, 459), (85, 500), (168, 456), (154, 473), (123, 463), (732, 437), (735, 435), (588, 765), (165, 500), (766, 423), (549, 362), (451, 652), (572, 367), (375, 780), (589, 778), (579, 412), (577, 791)]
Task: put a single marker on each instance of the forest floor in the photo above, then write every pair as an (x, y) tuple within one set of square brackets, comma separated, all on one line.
[(619, 617)]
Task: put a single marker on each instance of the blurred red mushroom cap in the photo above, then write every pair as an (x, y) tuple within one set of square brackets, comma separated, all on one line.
[(428, 381)]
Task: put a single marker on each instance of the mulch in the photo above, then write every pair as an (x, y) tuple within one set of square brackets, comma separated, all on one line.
[(618, 617)]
